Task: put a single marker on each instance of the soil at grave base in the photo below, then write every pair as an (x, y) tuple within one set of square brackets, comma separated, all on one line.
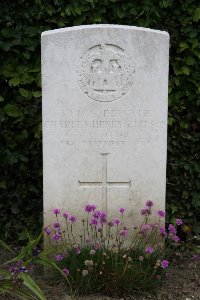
[(183, 284)]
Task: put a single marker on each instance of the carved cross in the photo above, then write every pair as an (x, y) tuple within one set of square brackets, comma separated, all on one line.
[(104, 183)]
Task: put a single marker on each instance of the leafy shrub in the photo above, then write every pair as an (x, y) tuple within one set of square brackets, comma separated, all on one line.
[(14, 274), (108, 257)]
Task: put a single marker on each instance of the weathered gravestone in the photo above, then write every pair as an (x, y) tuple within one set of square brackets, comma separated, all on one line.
[(104, 118)]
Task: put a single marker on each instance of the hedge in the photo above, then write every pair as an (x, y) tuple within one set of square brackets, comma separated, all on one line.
[(20, 99)]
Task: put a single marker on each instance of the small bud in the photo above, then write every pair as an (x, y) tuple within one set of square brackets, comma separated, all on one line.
[(129, 258), (141, 258), (92, 252), (85, 272), (89, 263)]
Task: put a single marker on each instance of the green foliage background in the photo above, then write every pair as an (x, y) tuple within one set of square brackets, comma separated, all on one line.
[(21, 24)]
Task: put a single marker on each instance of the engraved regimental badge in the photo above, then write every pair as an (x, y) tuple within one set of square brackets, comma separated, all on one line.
[(105, 73)]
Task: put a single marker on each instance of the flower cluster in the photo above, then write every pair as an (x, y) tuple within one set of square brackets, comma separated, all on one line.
[(102, 234), (66, 271), (148, 210), (149, 250), (59, 257), (172, 231), (196, 257), (97, 219), (164, 264), (16, 269)]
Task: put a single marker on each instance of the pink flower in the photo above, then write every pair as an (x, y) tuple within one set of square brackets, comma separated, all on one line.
[(56, 225), (94, 221), (145, 228), (117, 221), (90, 207), (145, 211), (103, 219), (176, 238), (96, 214), (56, 211), (149, 203), (103, 214), (196, 257), (65, 214), (162, 231), (97, 246), (47, 230), (56, 236), (93, 207), (172, 229), (161, 214), (59, 257), (77, 250), (164, 264), (72, 219), (66, 271), (149, 250), (123, 233), (179, 222), (122, 210)]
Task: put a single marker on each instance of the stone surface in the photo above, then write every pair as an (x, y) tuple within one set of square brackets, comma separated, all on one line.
[(104, 118)]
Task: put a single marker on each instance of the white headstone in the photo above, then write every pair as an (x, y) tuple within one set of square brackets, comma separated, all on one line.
[(104, 91)]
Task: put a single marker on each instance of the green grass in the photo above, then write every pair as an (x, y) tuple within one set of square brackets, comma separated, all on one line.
[(114, 273)]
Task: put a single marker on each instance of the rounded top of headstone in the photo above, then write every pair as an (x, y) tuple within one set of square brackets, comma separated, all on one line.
[(103, 26)]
